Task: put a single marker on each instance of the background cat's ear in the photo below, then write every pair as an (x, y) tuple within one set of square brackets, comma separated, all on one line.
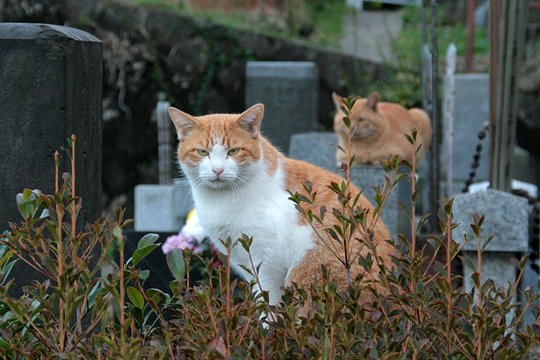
[(338, 101), (251, 119), (182, 121), (373, 100)]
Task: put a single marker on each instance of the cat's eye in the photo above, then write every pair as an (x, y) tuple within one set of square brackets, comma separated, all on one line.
[(202, 152), (233, 152)]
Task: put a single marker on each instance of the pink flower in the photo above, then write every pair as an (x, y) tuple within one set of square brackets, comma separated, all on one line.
[(182, 241)]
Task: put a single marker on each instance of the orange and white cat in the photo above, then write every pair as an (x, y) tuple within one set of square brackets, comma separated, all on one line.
[(380, 130), (240, 182)]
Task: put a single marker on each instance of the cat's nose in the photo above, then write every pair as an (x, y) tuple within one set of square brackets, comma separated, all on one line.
[(218, 171)]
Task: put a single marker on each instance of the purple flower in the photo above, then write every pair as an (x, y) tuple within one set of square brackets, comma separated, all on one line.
[(182, 241)]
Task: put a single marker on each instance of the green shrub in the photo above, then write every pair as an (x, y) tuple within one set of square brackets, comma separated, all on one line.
[(82, 311)]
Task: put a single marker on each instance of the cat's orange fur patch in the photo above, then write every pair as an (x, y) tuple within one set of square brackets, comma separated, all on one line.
[(309, 270)]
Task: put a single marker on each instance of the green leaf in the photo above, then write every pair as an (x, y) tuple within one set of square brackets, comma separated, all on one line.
[(175, 261), (5, 254), (409, 139), (246, 269), (347, 122), (398, 179), (27, 194), (27, 203), (141, 253), (117, 232), (7, 270), (5, 345), (146, 240), (322, 212), (155, 295), (407, 164), (308, 186), (246, 242), (486, 243), (44, 214), (94, 292), (135, 297), (422, 221), (143, 275), (476, 279)]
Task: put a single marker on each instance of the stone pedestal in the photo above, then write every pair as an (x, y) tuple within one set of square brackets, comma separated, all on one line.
[(161, 208), (289, 92), (506, 219)]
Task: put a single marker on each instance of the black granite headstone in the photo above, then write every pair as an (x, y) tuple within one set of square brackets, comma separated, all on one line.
[(50, 88), (51, 84)]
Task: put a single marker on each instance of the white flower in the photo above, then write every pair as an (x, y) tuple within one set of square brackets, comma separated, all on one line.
[(193, 228)]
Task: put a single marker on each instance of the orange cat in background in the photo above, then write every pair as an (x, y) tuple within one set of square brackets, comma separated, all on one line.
[(380, 129)]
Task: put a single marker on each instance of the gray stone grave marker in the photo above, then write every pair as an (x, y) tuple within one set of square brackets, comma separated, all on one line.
[(51, 88), (507, 219), (289, 92), (470, 112)]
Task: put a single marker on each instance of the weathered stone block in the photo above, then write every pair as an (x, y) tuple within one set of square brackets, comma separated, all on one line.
[(507, 219), (51, 88), (317, 148), (161, 208), (289, 92), (496, 266)]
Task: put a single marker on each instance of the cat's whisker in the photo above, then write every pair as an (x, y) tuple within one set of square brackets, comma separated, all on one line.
[(240, 178), (234, 187)]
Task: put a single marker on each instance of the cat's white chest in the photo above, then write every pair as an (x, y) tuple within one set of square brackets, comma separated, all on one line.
[(261, 210)]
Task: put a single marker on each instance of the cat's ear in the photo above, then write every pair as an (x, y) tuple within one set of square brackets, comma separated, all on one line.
[(373, 100), (338, 101), (182, 121), (251, 119)]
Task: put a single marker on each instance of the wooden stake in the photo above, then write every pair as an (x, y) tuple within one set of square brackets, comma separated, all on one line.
[(470, 35), (507, 28)]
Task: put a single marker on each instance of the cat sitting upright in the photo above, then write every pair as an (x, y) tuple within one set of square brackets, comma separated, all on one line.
[(240, 185), (380, 130)]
